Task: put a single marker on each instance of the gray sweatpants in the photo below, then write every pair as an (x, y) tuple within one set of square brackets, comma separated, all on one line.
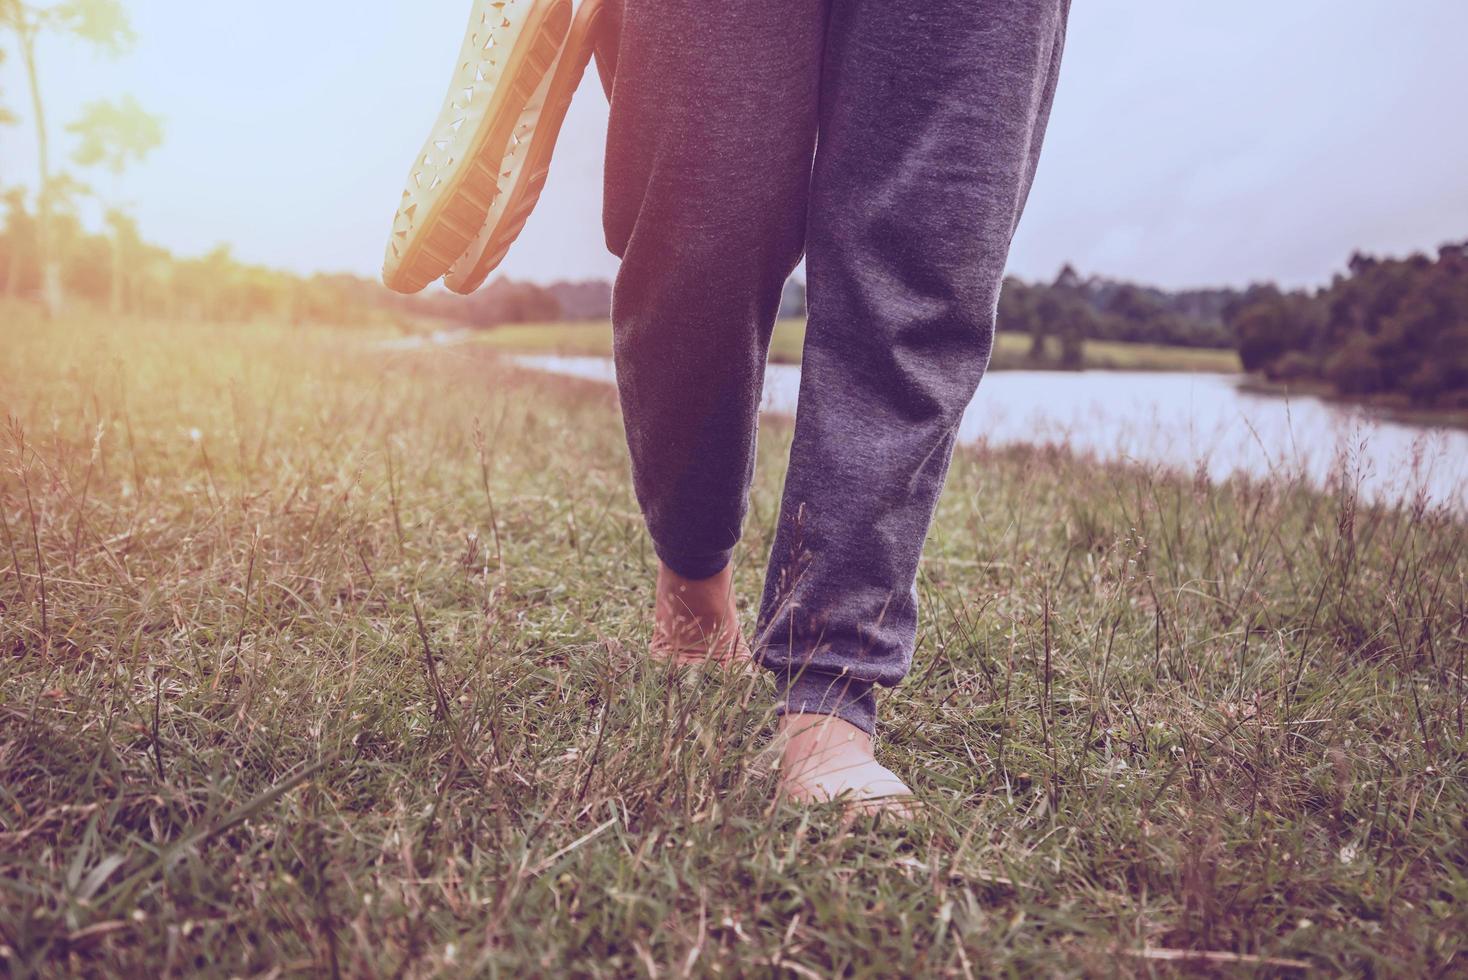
[(893, 142)]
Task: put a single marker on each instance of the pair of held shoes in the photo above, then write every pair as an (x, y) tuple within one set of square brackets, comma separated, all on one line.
[(482, 169)]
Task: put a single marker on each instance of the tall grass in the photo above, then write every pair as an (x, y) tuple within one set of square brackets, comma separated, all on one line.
[(324, 659)]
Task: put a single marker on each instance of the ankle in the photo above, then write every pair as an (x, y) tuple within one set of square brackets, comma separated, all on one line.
[(697, 620), (809, 739), (706, 602), (701, 567), (827, 758), (669, 580)]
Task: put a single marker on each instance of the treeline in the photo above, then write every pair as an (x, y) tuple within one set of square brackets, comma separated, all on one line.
[(120, 271), (1391, 329), (500, 301), (1073, 309), (1394, 329)]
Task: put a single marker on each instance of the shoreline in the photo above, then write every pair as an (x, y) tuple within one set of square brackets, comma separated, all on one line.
[(592, 338), (1224, 460), (1386, 408)]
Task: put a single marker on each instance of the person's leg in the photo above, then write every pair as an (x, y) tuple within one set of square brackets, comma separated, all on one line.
[(932, 118), (713, 122)]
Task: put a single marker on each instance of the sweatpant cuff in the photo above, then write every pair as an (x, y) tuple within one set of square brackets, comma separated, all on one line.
[(811, 692), (695, 566)]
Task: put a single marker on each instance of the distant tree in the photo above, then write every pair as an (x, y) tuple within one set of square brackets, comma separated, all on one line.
[(590, 299), (20, 270), (1269, 323), (1071, 318), (216, 286), (17, 242), (507, 301), (84, 257), (1048, 312), (67, 193), (105, 24), (112, 135), (7, 118), (1355, 369), (1105, 309), (1392, 327), (1068, 278), (1138, 315), (127, 251), (1072, 349), (792, 299)]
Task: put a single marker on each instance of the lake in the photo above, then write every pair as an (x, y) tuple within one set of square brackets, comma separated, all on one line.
[(1181, 421)]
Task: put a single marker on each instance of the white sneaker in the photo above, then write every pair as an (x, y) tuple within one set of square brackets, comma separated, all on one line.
[(509, 50), (527, 160)]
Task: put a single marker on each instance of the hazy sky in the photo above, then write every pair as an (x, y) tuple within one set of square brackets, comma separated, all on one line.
[(1192, 144)]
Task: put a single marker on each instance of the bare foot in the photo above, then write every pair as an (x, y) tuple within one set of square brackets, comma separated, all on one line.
[(695, 620), (825, 758)]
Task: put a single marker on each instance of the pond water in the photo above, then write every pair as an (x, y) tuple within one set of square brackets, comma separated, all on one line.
[(1182, 421)]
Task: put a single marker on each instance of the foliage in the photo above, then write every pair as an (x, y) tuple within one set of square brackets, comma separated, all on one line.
[(1075, 309), (792, 300), (7, 118), (218, 286), (506, 301), (1268, 324), (589, 299), (104, 23), (1389, 327), (1159, 726), (113, 133)]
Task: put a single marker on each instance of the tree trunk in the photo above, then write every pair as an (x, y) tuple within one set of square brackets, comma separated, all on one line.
[(50, 272), (116, 300), (1037, 344), (12, 273)]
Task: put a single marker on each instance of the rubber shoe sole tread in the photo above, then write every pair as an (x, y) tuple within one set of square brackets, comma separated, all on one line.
[(508, 50), (526, 165)]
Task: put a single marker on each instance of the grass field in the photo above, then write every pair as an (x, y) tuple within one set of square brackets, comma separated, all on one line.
[(1011, 351), (324, 660)]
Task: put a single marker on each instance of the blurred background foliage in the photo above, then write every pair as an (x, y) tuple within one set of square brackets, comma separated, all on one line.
[(1388, 330)]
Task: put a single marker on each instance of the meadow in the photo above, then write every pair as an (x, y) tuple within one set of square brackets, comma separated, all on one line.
[(323, 658), (1011, 350)]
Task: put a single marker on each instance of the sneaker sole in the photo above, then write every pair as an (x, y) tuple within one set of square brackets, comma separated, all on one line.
[(526, 164), (508, 49)]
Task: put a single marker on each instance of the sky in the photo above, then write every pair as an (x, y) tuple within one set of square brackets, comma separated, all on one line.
[(1191, 144)]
